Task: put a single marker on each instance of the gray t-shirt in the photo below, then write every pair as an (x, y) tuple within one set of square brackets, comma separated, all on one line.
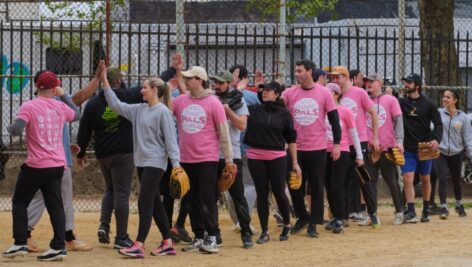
[(235, 133), (154, 138)]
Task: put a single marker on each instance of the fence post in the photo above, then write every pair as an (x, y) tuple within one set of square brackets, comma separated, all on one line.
[(401, 38), (282, 35), (180, 27)]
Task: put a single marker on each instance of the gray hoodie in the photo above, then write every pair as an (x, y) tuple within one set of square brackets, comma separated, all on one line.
[(457, 133)]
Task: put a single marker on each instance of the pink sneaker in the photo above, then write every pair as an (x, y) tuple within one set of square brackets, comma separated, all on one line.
[(164, 249), (135, 251)]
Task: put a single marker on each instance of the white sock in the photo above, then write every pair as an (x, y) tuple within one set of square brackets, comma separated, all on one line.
[(458, 203), (444, 205)]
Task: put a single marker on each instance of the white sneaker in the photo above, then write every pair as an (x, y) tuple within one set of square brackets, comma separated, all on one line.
[(15, 251), (209, 245), (398, 218), (53, 255)]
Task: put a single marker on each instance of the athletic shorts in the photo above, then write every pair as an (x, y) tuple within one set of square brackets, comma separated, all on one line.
[(413, 164)]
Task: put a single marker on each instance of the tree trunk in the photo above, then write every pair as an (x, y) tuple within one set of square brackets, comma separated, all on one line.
[(438, 51)]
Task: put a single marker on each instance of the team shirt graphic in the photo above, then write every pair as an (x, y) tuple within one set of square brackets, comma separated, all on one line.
[(194, 119)]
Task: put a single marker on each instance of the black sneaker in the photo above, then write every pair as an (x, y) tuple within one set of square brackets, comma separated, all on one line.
[(15, 251), (179, 233), (104, 234), (311, 231), (338, 227), (219, 241), (410, 217), (53, 255), (434, 209), (299, 225), (278, 219), (424, 216), (123, 243), (444, 213), (461, 211), (247, 240), (264, 238), (285, 233), (330, 224)]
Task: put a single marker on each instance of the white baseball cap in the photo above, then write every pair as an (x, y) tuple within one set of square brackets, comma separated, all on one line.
[(196, 71)]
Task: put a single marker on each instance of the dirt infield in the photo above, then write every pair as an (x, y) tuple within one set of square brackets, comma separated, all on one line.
[(437, 243)]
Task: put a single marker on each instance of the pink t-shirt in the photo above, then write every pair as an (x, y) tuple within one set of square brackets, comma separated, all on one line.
[(45, 118), (264, 154), (387, 107), (197, 123), (346, 119), (308, 109), (359, 102)]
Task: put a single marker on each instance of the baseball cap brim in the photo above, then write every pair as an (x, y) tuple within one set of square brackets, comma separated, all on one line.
[(218, 78)]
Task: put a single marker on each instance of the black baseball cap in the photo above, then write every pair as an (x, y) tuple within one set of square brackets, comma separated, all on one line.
[(319, 72), (412, 77), (273, 85)]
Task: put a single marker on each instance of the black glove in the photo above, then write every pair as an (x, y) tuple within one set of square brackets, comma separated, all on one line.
[(233, 99)]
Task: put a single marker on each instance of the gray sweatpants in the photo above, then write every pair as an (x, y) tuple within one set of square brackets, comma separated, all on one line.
[(117, 172), (36, 207)]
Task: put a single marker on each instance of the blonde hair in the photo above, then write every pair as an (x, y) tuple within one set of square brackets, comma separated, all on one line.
[(163, 90)]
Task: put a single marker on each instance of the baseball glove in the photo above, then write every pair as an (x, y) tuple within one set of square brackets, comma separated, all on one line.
[(179, 183), (425, 152), (374, 155), (227, 177), (395, 155), (295, 181), (233, 99)]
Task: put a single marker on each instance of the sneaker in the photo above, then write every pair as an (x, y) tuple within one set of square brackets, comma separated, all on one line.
[(375, 221), (366, 222), (461, 211), (135, 251), (410, 217), (434, 209), (164, 249), (278, 219), (209, 245), (357, 217), (264, 238), (219, 241), (345, 223), (338, 227), (399, 218), (53, 255), (444, 213), (179, 233), (424, 216), (311, 230), (193, 246), (247, 240), (123, 243), (329, 226), (77, 245), (33, 247), (285, 233), (104, 234), (300, 224), (15, 251), (237, 228)]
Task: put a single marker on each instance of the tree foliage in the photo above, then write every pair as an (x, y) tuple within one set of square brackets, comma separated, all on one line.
[(295, 8)]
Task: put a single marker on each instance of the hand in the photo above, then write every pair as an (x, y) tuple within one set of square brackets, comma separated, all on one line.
[(235, 78), (359, 162), (59, 91), (74, 149), (336, 153), (177, 62), (401, 148), (434, 145), (227, 108), (242, 84), (103, 76), (100, 68), (81, 162), (297, 169), (375, 144), (258, 78)]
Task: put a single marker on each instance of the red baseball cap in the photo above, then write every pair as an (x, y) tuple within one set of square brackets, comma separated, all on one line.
[(47, 80)]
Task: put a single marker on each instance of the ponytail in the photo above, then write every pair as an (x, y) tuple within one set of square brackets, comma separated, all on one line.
[(163, 90)]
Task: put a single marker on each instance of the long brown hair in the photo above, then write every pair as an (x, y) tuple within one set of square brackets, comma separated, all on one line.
[(163, 90)]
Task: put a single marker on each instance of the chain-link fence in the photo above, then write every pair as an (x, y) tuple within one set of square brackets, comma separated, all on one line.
[(69, 39)]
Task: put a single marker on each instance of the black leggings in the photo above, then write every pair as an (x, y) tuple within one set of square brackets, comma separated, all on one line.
[(203, 197), (454, 164), (149, 203), (271, 173), (236, 192), (168, 202), (313, 165), (336, 173), (390, 176)]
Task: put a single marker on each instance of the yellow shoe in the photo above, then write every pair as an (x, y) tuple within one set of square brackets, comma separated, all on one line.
[(77, 245), (32, 247)]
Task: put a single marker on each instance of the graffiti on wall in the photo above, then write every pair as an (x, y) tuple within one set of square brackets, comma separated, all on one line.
[(10, 72)]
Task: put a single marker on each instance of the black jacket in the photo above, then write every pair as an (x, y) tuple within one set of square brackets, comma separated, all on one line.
[(269, 126), (417, 117), (112, 132)]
